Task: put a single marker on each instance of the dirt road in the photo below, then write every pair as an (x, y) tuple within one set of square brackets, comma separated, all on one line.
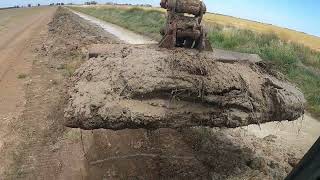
[(19, 29)]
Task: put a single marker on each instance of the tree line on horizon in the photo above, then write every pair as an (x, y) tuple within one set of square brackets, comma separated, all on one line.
[(85, 3)]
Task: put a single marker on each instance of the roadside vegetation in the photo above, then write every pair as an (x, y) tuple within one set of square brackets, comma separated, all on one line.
[(284, 33), (22, 76), (298, 62), (143, 21)]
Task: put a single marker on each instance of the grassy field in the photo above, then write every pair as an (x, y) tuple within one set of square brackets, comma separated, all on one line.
[(283, 33), (298, 62)]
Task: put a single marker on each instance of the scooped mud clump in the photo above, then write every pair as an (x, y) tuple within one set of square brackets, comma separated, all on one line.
[(144, 86)]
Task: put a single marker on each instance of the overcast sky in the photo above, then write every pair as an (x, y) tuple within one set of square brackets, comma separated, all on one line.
[(301, 15)]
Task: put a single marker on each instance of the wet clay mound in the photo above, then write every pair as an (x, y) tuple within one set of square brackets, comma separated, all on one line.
[(147, 87)]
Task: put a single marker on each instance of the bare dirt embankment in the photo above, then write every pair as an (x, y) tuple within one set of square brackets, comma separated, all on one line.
[(34, 144)]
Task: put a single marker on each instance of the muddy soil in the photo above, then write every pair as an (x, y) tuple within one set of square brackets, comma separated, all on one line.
[(143, 86)]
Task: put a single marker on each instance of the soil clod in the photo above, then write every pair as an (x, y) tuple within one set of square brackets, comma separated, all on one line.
[(143, 86)]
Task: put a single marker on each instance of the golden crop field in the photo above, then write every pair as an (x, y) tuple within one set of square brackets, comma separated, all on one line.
[(284, 33)]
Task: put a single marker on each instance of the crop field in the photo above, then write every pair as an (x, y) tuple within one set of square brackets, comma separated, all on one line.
[(300, 63), (286, 34)]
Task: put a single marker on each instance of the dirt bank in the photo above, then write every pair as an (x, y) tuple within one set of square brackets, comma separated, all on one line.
[(69, 37), (35, 144)]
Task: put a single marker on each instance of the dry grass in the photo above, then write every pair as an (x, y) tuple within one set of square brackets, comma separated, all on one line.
[(22, 76), (70, 67), (284, 34)]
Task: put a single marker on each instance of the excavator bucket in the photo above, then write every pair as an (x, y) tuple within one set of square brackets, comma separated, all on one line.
[(183, 27), (168, 41), (207, 46)]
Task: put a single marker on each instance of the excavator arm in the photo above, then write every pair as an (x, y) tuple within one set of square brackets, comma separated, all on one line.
[(309, 167)]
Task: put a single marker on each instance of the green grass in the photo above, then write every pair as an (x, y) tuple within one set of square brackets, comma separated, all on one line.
[(299, 63), (268, 46), (283, 33), (146, 22), (22, 76)]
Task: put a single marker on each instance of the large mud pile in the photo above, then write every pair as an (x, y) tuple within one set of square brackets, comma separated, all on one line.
[(147, 87)]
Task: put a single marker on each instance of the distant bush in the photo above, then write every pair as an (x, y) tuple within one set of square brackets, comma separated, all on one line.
[(91, 3), (22, 76)]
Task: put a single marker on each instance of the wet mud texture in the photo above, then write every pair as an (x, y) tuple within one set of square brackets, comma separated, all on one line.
[(143, 86)]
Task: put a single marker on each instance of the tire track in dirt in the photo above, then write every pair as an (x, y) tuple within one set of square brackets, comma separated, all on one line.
[(12, 41), (48, 150), (16, 58)]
